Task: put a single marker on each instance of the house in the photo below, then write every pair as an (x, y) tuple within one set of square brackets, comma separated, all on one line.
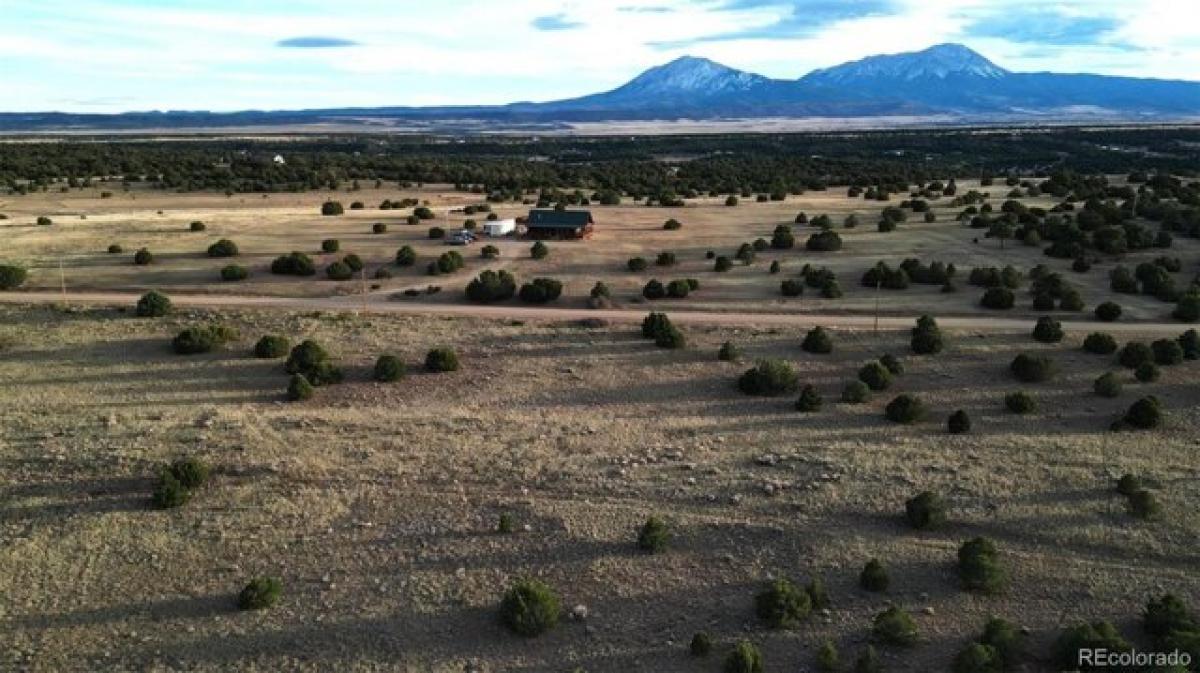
[(559, 224), (499, 227), (279, 160)]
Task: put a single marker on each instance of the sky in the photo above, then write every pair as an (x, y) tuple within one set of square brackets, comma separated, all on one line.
[(117, 55)]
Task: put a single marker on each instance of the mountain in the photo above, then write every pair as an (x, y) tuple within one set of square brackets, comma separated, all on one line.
[(949, 80)]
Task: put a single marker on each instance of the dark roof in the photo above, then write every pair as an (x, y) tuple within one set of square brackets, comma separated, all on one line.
[(572, 219)]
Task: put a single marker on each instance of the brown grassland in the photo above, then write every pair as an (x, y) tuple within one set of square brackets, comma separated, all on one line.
[(377, 504)]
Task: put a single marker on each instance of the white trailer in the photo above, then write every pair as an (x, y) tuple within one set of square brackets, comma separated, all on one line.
[(499, 227)]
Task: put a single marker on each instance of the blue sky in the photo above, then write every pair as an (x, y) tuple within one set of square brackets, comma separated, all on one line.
[(115, 55)]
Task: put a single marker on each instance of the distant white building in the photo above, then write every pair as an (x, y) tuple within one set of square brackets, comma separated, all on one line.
[(499, 227), (279, 159)]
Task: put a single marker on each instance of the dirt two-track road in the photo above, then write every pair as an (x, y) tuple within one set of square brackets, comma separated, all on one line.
[(379, 303)]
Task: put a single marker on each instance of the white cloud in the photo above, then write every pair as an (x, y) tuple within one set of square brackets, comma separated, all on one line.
[(222, 54)]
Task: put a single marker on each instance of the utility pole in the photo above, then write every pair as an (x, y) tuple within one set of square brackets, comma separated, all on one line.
[(878, 287), (62, 281)]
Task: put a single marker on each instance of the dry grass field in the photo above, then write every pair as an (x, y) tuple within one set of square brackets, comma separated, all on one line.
[(266, 226), (376, 504)]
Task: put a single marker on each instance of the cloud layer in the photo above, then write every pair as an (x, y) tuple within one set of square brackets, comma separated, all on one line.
[(111, 55)]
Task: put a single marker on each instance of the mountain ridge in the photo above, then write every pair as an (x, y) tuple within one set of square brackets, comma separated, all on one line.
[(944, 79)]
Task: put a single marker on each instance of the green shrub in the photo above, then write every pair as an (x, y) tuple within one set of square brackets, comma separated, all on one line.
[(223, 248), (143, 257), (196, 340), (892, 363), (722, 264), (670, 338), (1143, 505), (441, 360), (679, 289), (769, 378), (824, 241), (958, 423), (1032, 368), (299, 389), (817, 594), (636, 264), (810, 400), (389, 368), (272, 346), (197, 226), (191, 473), (654, 324), (1019, 403), (339, 271), (115, 249), (1099, 343), (12, 277), (905, 409), (818, 341), (234, 273), (1108, 312), (529, 608), (672, 225), (1188, 307), (492, 286), (1167, 615), (924, 511), (1167, 352), (1005, 639), (783, 605), (977, 658), (313, 361), (926, 337), (1128, 484), (979, 566), (169, 492), (873, 577), (1048, 330), (1144, 414), (729, 352), (791, 288), (539, 250), (654, 290), (745, 658), (666, 259), (293, 264), (868, 661), (1189, 342), (260, 593), (653, 536), (406, 256), (331, 245), (506, 524), (44, 221), (1099, 635), (856, 392), (998, 298), (828, 660), (540, 291), (379, 228), (1107, 385), (875, 375), (896, 627), (153, 304), (701, 645), (332, 208), (1134, 354), (1146, 372)]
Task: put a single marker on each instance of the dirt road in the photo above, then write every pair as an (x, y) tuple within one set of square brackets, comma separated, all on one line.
[(380, 304)]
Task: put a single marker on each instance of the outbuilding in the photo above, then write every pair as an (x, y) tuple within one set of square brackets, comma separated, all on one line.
[(559, 224), (499, 227)]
